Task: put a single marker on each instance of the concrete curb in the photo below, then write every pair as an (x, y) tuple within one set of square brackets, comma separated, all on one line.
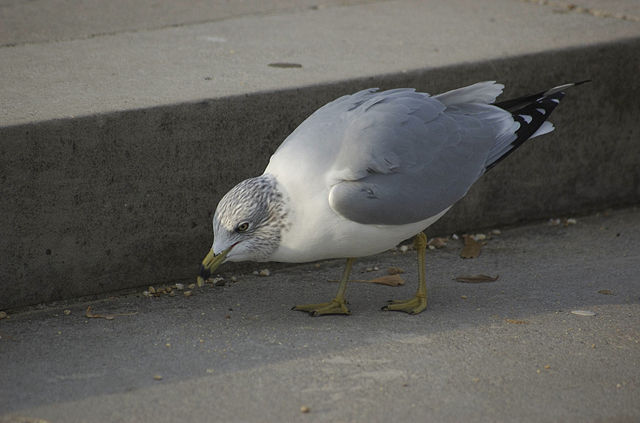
[(110, 201)]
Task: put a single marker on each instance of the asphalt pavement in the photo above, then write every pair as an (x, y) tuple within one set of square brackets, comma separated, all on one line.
[(555, 338)]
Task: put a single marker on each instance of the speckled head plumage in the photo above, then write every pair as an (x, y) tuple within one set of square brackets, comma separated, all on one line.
[(249, 219)]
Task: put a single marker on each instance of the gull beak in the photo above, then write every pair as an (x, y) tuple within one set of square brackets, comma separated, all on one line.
[(210, 263)]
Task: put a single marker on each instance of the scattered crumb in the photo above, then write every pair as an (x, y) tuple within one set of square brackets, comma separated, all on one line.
[(157, 377), (479, 237), (605, 292), (179, 286), (66, 312), (187, 293), (437, 242), (304, 409), (583, 312), (564, 222), (151, 290), (265, 272), (88, 313), (496, 232), (547, 366), (3, 315), (234, 279), (455, 237), (404, 248), (464, 297)]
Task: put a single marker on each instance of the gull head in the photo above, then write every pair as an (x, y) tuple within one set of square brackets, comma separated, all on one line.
[(247, 224)]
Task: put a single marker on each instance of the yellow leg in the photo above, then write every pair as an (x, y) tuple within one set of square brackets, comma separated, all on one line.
[(419, 302), (336, 306)]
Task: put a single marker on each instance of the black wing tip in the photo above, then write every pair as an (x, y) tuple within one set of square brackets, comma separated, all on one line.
[(529, 105)]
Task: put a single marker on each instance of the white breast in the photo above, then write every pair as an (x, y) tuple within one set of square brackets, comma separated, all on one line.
[(317, 232)]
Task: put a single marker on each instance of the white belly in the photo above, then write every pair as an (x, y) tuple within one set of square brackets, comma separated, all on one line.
[(318, 233)]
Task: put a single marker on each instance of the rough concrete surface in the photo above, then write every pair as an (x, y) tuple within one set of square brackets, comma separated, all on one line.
[(43, 21), (130, 70), (509, 350), (116, 144)]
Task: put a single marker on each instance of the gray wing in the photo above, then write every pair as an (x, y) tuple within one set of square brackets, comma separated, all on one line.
[(406, 156)]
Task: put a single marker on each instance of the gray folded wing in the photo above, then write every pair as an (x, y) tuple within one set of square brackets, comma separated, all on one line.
[(405, 156)]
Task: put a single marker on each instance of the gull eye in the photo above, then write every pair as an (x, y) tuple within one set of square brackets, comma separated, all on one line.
[(242, 227)]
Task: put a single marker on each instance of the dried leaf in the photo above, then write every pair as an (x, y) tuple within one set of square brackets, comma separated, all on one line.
[(393, 270), (516, 322), (390, 280), (92, 315), (471, 247), (476, 278)]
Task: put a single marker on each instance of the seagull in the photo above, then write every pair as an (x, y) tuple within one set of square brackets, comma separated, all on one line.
[(369, 170)]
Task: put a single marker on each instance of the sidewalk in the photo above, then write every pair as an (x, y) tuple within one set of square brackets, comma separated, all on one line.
[(121, 129), (509, 350)]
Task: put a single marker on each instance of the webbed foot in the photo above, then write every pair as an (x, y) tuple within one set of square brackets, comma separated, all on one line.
[(412, 306), (334, 306)]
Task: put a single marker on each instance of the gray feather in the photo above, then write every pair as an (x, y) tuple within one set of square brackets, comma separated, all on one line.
[(407, 157)]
